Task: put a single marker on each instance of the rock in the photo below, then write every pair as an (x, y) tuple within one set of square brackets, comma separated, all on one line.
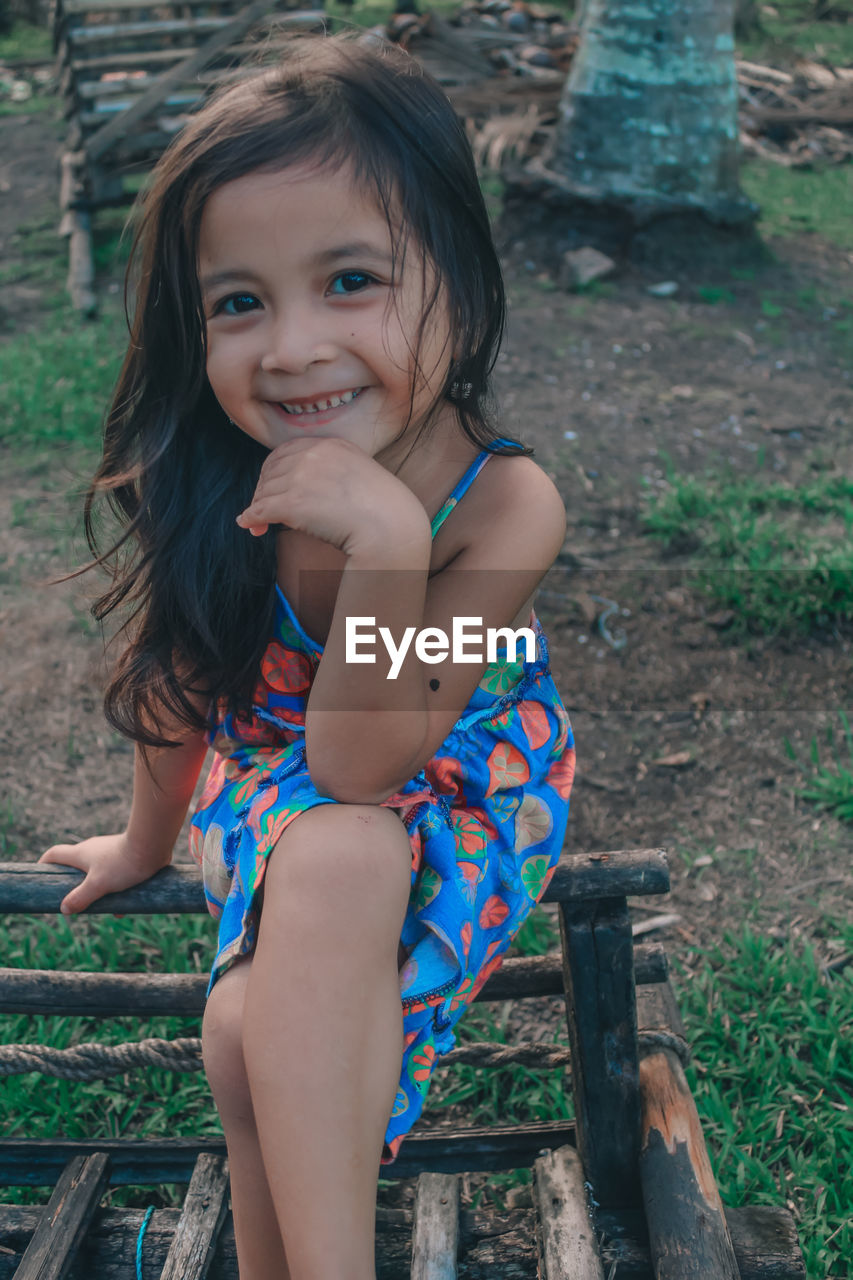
[(537, 56), (581, 266), (515, 20), (665, 289)]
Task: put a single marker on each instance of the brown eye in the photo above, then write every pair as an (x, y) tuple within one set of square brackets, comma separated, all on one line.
[(350, 282), (237, 304)]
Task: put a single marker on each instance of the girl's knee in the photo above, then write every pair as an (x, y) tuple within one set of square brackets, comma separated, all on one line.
[(352, 847)]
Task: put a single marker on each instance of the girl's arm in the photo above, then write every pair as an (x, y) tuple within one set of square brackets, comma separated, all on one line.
[(160, 801), (367, 735)]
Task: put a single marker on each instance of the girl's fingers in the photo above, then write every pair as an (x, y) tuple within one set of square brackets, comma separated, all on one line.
[(255, 527), (65, 855)]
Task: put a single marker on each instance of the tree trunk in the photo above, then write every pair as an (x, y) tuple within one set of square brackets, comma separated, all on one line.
[(648, 117)]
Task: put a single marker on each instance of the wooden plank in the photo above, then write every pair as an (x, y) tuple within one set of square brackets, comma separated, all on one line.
[(61, 1228), (445, 1150), (497, 1246), (435, 1230), (602, 1020), (234, 30), (112, 995), (141, 58), (565, 1235), (79, 8), (126, 32), (38, 888), (688, 1235), (202, 1216), (177, 104), (81, 264)]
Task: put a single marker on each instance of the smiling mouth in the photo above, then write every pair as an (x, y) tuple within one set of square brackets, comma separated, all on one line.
[(325, 403)]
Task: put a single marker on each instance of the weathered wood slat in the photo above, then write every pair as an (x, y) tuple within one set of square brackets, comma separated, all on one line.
[(568, 1249), (85, 64), (38, 888), (602, 1019), (176, 103), (81, 266), (435, 1228), (62, 1226), (133, 61), (77, 8), (451, 1150), (203, 1213), (106, 33), (493, 1246), (688, 1235), (129, 84), (158, 93), (54, 991)]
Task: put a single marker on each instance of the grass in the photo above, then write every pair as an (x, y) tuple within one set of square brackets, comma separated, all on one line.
[(144, 1103), (796, 200), (830, 785), (773, 1083), (25, 40), (779, 557), (790, 29), (57, 380)]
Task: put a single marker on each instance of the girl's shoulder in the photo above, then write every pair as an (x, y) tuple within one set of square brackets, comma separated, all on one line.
[(512, 503)]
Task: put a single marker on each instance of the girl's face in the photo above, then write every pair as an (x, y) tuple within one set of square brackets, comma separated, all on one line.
[(307, 333)]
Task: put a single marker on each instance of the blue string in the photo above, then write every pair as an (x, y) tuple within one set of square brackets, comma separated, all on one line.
[(139, 1240)]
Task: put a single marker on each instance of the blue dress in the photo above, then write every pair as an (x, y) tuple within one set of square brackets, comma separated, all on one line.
[(486, 819)]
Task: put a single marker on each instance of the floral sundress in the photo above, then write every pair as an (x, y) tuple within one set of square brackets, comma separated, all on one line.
[(486, 819)]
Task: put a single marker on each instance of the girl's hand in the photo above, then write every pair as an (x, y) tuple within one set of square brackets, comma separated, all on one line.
[(333, 490), (111, 865)]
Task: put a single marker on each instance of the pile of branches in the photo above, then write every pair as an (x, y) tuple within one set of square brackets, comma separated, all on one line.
[(797, 117), (504, 64)]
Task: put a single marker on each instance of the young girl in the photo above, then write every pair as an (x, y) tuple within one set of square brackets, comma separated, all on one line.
[(300, 443)]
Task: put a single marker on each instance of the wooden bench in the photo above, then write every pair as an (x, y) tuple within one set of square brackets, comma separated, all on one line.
[(623, 1193)]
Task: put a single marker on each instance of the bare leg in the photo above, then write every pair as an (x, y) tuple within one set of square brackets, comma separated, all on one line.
[(260, 1253), (323, 1030)]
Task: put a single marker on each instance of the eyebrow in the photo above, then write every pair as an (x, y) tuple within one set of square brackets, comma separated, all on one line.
[(356, 249)]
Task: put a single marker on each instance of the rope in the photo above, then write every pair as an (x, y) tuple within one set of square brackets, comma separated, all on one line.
[(97, 1061), (139, 1240)]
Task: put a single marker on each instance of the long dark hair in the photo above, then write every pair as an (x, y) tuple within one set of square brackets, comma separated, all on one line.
[(199, 592)]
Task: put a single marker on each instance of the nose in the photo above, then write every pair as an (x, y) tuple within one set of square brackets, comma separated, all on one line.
[(296, 340)]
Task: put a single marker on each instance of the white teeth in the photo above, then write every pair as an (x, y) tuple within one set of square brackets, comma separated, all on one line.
[(317, 405)]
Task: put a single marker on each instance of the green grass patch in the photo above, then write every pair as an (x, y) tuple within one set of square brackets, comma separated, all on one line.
[(796, 200), (773, 1084), (780, 557), (789, 29), (25, 40), (57, 380), (830, 782), (146, 1102), (37, 256)]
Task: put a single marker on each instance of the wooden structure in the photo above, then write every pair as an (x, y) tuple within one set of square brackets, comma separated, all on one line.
[(130, 72), (626, 1192)]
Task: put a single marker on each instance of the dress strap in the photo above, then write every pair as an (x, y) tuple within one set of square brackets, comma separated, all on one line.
[(463, 486)]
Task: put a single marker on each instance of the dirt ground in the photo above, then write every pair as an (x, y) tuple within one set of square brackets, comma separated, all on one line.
[(680, 732)]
